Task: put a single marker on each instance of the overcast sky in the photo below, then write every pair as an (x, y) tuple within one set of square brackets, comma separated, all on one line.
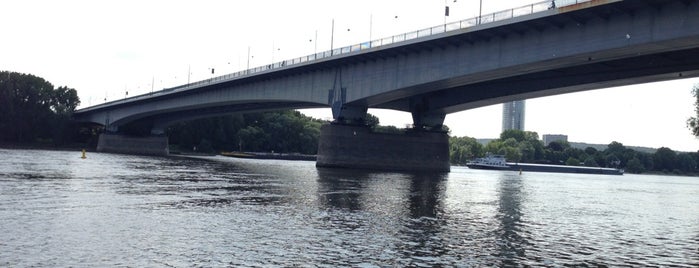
[(105, 48)]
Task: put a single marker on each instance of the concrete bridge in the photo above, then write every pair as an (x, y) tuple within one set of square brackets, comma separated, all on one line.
[(547, 48)]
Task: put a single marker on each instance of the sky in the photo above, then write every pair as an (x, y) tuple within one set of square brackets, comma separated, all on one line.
[(105, 49)]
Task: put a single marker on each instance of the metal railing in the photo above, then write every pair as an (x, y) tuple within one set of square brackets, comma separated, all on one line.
[(440, 29)]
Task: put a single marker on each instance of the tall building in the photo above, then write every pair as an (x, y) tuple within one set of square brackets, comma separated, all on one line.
[(513, 115)]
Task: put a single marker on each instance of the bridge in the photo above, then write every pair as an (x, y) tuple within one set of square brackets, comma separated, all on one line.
[(542, 49)]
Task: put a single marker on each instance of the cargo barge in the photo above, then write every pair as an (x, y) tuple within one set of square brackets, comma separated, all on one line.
[(498, 162)]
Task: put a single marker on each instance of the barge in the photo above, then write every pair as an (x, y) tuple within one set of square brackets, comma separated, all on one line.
[(498, 162)]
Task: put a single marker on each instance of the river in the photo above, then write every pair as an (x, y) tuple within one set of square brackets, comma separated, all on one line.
[(116, 210)]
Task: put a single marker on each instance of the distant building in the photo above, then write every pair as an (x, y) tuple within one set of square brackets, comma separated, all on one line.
[(549, 138), (513, 115)]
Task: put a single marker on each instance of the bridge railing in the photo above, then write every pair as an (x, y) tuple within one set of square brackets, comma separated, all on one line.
[(439, 29)]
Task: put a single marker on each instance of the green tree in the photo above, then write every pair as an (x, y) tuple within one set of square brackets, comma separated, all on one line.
[(32, 109), (572, 162), (693, 122), (558, 146), (252, 138), (528, 151), (590, 162), (510, 153), (686, 163), (463, 149), (517, 135), (635, 166), (664, 159), (371, 120), (590, 151)]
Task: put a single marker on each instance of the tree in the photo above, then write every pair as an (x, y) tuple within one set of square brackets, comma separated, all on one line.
[(371, 120), (463, 149), (32, 109), (664, 159), (693, 122), (516, 134), (572, 162), (510, 153), (590, 151), (528, 151), (558, 146), (686, 163), (634, 166), (590, 162)]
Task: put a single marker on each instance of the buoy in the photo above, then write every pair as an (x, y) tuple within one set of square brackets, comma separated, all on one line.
[(83, 157)]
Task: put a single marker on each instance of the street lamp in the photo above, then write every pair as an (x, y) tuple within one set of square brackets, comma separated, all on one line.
[(480, 11), (332, 37)]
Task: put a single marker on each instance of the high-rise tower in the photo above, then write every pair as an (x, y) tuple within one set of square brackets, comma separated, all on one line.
[(513, 115)]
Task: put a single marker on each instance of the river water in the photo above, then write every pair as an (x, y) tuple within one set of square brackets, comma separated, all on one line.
[(115, 210)]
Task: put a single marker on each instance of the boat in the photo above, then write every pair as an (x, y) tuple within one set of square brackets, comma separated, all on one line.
[(498, 162), (490, 161)]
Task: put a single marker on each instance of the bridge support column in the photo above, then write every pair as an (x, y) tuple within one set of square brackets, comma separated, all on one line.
[(423, 117), (116, 143), (348, 146)]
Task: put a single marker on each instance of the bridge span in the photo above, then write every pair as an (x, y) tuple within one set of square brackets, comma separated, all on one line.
[(547, 48)]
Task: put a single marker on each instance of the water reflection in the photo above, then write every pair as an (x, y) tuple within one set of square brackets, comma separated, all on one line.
[(426, 194), (510, 237), (422, 241), (197, 183), (341, 188), (410, 204)]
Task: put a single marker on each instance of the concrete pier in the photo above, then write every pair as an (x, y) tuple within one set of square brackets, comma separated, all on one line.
[(151, 145), (357, 147)]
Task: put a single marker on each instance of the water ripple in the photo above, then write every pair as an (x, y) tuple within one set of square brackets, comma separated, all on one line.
[(114, 210)]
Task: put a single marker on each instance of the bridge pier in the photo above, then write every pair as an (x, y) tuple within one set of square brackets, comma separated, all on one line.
[(115, 143), (351, 146)]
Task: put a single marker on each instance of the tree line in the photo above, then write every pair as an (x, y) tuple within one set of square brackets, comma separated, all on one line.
[(285, 131), (279, 131), (525, 147), (32, 109)]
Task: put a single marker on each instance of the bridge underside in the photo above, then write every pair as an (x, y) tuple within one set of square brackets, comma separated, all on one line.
[(595, 74)]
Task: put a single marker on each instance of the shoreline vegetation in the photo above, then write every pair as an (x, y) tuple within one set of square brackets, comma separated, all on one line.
[(78, 147), (36, 115)]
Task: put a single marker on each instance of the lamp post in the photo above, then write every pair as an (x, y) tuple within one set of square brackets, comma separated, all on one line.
[(480, 11), (332, 37)]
